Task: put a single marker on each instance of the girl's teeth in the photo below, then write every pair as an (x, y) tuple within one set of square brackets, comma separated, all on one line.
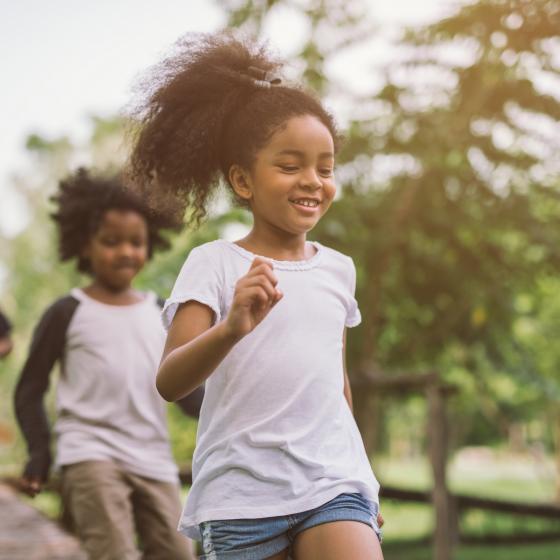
[(309, 203)]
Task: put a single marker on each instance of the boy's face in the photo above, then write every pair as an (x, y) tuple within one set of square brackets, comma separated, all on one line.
[(118, 250)]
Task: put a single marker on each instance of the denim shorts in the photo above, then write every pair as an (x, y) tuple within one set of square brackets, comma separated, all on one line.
[(257, 539)]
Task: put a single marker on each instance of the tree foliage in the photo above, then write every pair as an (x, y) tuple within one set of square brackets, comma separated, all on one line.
[(450, 192), (450, 199)]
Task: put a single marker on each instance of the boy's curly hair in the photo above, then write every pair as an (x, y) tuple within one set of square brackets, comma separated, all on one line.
[(203, 109), (82, 201)]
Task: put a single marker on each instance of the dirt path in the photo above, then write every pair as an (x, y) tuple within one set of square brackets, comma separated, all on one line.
[(26, 534)]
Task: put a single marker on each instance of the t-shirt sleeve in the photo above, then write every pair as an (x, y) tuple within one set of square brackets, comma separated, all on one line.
[(47, 346), (198, 280), (353, 315)]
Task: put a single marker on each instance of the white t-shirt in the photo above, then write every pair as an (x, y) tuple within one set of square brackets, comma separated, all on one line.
[(108, 407), (276, 435)]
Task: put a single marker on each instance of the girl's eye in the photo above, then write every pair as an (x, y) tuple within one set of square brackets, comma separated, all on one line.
[(326, 172), (288, 168)]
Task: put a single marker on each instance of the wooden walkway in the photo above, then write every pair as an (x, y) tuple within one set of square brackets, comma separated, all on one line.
[(26, 534)]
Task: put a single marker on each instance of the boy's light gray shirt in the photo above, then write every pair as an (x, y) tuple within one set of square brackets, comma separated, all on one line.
[(107, 403)]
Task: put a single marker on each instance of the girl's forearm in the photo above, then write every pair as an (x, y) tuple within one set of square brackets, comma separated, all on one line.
[(188, 366)]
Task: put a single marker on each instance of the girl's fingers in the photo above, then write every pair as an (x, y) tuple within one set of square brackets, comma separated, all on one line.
[(256, 294), (257, 261), (258, 286), (260, 266), (262, 281)]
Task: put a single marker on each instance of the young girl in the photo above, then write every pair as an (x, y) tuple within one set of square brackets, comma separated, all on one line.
[(279, 463), (113, 449)]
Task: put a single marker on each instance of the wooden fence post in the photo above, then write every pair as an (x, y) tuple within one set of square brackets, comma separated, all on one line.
[(445, 518)]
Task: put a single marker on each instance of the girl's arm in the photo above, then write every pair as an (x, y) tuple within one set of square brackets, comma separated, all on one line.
[(194, 348), (347, 389)]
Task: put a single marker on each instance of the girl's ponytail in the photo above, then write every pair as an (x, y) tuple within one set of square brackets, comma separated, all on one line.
[(212, 103)]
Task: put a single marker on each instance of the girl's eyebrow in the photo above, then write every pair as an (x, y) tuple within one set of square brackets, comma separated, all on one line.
[(299, 153)]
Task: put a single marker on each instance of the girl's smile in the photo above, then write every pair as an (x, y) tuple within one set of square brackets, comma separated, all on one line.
[(291, 183), (307, 205)]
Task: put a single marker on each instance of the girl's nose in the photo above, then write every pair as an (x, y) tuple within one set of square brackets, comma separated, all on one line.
[(311, 180)]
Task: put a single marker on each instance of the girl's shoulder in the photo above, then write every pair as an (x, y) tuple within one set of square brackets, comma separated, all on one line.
[(335, 256), (340, 266), (214, 248), (214, 255)]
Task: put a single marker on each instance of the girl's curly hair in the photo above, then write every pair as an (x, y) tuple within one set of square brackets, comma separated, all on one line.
[(83, 200), (203, 109)]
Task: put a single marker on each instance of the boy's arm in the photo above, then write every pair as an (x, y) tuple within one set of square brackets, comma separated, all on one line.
[(47, 347), (190, 405), (5, 345), (5, 339)]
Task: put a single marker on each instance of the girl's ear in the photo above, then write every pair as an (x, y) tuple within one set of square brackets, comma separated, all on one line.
[(239, 180)]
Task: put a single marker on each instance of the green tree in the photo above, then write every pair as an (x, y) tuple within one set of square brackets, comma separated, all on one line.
[(449, 187)]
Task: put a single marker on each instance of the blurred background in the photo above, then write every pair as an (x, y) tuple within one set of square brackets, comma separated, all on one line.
[(449, 203)]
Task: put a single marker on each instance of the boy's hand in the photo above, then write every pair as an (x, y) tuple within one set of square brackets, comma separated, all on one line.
[(30, 486), (380, 520), (255, 295)]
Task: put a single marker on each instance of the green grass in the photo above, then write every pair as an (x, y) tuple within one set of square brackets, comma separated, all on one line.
[(505, 479), (405, 521), (520, 480), (46, 502), (549, 551)]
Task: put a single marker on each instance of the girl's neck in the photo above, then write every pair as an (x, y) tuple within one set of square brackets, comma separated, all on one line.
[(112, 296), (281, 247)]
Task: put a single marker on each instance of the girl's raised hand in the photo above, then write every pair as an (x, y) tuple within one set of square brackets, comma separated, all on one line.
[(255, 295)]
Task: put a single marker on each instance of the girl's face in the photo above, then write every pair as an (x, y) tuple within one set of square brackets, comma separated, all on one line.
[(291, 183), (118, 250)]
